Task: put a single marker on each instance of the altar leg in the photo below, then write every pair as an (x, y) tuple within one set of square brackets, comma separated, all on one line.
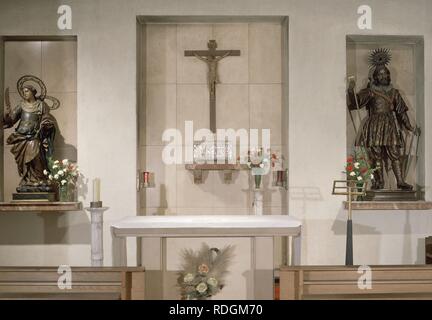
[(296, 251), (163, 267), (262, 258), (119, 250)]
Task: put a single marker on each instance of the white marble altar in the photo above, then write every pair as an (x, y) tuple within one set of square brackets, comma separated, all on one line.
[(256, 227)]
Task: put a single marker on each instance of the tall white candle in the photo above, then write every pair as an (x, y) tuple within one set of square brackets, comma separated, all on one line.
[(96, 189)]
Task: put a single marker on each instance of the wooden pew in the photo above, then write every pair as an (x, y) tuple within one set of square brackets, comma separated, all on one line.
[(341, 282), (94, 283)]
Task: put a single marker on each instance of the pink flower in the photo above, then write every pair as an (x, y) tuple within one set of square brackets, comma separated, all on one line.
[(203, 268)]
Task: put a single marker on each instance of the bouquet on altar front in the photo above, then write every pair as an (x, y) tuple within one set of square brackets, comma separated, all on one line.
[(204, 272)]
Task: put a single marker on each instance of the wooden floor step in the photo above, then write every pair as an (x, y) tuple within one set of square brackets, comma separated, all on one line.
[(341, 282), (92, 283)]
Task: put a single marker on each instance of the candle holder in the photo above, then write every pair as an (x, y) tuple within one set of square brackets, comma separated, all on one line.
[(145, 180), (96, 204), (350, 189), (96, 213), (280, 178)]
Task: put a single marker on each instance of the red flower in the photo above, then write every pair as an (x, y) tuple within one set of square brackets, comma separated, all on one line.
[(350, 159), (349, 168), (364, 170)]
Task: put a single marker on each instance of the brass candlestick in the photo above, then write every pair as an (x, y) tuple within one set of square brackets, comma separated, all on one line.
[(350, 188)]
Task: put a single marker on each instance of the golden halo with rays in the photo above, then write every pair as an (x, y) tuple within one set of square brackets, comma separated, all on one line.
[(379, 57)]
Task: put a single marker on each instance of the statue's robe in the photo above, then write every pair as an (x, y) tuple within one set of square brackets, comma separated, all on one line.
[(387, 114), (35, 126)]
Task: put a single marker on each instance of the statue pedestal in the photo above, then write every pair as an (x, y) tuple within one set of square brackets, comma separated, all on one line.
[(391, 195), (34, 196)]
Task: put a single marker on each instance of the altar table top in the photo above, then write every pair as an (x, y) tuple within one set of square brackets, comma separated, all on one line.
[(207, 226)]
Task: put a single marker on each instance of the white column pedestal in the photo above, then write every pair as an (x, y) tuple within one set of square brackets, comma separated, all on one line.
[(258, 202), (97, 235)]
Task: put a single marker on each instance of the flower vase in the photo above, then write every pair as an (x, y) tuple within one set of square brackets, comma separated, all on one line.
[(64, 195), (359, 186), (257, 181)]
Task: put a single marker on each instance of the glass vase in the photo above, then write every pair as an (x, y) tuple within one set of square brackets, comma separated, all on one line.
[(257, 181), (64, 194), (360, 186)]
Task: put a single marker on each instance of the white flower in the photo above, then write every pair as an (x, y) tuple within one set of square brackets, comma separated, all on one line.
[(50, 177), (212, 282), (359, 178), (63, 182), (56, 176), (188, 278), (352, 174), (56, 162), (201, 287), (261, 165), (55, 166), (372, 176), (65, 161), (61, 172), (356, 165), (45, 172)]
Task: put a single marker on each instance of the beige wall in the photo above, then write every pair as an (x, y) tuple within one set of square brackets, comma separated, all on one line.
[(249, 96), (317, 141)]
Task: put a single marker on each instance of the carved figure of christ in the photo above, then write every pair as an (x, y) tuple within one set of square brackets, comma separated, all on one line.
[(211, 57)]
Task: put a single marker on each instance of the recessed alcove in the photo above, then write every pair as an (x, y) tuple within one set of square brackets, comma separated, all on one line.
[(172, 88), (53, 59), (407, 75)]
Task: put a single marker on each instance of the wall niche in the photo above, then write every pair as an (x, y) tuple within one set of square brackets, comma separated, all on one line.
[(407, 75), (54, 61), (172, 89)]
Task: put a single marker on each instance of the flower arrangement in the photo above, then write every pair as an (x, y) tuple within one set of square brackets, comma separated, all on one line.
[(62, 172), (204, 271), (257, 159), (358, 167), (276, 161)]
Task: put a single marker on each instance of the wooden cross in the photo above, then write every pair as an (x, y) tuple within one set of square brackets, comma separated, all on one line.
[(212, 57)]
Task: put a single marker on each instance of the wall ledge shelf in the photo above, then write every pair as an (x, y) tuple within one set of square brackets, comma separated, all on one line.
[(28, 206), (227, 168), (215, 166), (390, 205)]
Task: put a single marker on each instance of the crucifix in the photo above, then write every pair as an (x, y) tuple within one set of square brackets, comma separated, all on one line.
[(212, 57)]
